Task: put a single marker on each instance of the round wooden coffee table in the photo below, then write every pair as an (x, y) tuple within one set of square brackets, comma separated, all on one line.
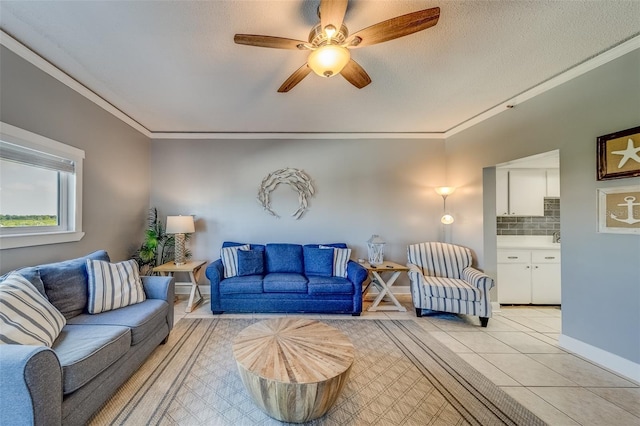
[(294, 369)]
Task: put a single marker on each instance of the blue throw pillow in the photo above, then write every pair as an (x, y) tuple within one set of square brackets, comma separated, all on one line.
[(318, 261), (250, 262)]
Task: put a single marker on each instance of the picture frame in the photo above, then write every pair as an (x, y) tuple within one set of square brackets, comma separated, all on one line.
[(619, 210), (618, 154)]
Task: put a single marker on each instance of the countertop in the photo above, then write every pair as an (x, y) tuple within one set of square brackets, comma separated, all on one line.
[(524, 242)]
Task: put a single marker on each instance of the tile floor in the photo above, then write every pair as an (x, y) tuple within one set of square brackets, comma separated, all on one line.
[(519, 352)]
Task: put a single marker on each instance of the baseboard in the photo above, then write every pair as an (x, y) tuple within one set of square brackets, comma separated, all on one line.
[(606, 359), (495, 307)]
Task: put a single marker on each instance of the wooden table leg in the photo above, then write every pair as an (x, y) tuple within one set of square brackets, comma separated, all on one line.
[(385, 290), (194, 289)]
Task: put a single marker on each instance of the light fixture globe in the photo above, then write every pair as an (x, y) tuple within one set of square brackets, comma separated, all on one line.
[(447, 219), (328, 60)]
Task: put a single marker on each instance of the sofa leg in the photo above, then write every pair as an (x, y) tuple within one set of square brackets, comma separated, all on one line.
[(418, 312), (165, 340), (484, 321), (217, 312), (355, 314)]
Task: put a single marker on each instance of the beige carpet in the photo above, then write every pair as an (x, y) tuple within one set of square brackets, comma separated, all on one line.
[(401, 376)]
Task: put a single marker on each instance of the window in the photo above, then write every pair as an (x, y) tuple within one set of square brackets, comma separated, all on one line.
[(40, 190)]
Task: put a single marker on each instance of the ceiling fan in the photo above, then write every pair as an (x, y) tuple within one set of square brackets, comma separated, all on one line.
[(329, 42)]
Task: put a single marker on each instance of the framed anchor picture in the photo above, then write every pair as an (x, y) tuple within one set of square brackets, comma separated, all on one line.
[(619, 154), (619, 210)]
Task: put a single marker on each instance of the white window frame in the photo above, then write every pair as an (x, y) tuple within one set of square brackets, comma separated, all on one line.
[(70, 212)]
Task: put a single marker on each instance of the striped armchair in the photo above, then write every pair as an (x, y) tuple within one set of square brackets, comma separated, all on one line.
[(442, 279)]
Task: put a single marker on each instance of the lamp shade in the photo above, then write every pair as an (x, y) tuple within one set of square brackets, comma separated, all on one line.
[(447, 219), (180, 225), (328, 60), (445, 190)]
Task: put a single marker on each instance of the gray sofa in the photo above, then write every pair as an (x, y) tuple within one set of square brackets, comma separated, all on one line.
[(93, 355)]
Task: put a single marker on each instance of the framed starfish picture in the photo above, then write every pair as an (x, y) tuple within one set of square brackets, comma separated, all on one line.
[(619, 154)]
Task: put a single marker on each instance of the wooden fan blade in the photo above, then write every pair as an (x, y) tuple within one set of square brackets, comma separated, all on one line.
[(295, 78), (268, 41), (355, 74), (332, 12), (393, 28)]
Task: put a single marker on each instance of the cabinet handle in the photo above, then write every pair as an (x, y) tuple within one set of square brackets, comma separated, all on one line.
[(549, 257), (536, 267), (528, 266), (512, 257)]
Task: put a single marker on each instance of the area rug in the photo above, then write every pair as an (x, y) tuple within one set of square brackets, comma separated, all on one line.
[(401, 376)]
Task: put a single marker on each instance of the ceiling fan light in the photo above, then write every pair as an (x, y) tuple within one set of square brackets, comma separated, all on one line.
[(329, 60)]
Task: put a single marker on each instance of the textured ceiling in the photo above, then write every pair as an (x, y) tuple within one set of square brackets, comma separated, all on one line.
[(172, 66)]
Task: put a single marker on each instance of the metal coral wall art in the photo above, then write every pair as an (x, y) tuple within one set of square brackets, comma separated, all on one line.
[(295, 178)]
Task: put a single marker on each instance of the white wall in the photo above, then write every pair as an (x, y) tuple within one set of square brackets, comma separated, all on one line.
[(600, 272), (363, 187), (116, 166)]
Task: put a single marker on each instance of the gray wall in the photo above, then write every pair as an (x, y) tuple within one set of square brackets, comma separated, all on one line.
[(364, 187), (116, 166), (600, 272)]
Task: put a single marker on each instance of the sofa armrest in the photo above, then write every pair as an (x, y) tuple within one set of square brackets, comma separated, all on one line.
[(31, 391), (415, 273), (215, 274), (478, 279), (357, 274), (164, 288)]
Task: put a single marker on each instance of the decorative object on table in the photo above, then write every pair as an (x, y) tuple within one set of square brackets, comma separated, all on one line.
[(375, 248), (445, 191), (299, 182), (619, 154), (158, 246), (179, 226), (298, 384), (619, 210)]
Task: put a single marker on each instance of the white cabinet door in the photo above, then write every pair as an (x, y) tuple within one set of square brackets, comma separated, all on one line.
[(553, 183), (527, 189), (502, 192), (545, 285), (514, 283)]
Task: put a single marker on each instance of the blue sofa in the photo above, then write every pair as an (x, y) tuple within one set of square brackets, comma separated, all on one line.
[(286, 278), (92, 356)]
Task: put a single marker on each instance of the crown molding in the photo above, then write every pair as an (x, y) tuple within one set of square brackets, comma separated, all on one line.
[(39, 62), (607, 56)]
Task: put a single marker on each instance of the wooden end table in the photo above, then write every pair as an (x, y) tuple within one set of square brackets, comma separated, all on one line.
[(293, 368), (194, 269), (384, 287)]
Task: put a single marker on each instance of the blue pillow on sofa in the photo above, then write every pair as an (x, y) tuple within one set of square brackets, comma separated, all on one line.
[(250, 262), (318, 261), (284, 258)]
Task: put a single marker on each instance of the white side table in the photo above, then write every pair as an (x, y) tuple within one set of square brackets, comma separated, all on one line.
[(194, 269), (384, 287)]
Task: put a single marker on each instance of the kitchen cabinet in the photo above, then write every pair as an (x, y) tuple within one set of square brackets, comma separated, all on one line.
[(529, 277), (521, 192)]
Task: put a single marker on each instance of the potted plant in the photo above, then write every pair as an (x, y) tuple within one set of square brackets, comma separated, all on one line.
[(158, 247)]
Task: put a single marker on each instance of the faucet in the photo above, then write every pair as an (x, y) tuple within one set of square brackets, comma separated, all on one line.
[(556, 237)]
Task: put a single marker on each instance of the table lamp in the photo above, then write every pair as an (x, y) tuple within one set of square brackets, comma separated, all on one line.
[(180, 225)]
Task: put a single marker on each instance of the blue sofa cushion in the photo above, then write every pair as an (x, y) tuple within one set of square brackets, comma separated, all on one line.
[(142, 318), (66, 283), (85, 351), (284, 258), (32, 274), (318, 261), (249, 284), (250, 262), (329, 285), (285, 282)]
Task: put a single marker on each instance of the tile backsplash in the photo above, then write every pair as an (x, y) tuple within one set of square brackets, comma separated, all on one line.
[(532, 225)]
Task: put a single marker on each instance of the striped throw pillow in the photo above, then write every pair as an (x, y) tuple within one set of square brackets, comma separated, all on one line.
[(113, 285), (229, 256), (26, 317), (340, 259)]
